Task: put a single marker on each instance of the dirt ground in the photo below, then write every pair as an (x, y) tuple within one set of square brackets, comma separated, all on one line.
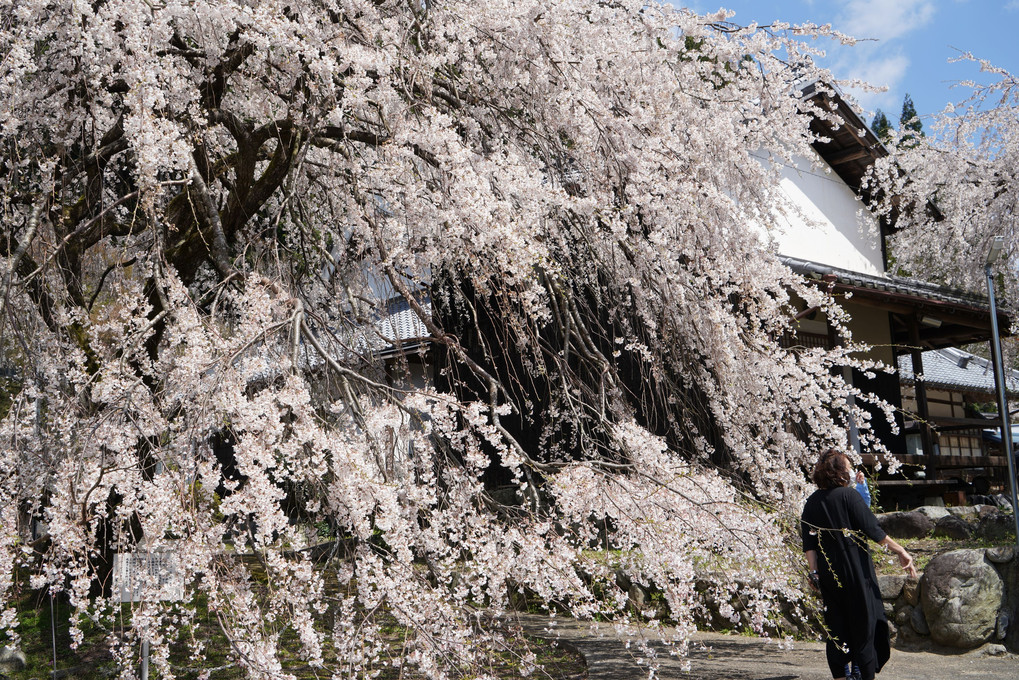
[(729, 657)]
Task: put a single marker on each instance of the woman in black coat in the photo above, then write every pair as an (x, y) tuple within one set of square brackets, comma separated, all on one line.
[(836, 524)]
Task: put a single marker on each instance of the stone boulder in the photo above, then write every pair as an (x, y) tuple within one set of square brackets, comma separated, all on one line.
[(919, 621), (961, 593), (1002, 501), (1001, 554), (996, 526), (1001, 628), (985, 510), (12, 660), (905, 524), (933, 512), (953, 527), (963, 511), (911, 590), (890, 585)]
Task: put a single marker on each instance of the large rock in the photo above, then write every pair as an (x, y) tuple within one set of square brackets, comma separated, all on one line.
[(12, 659), (1001, 554), (893, 630), (1002, 501), (933, 512), (996, 526), (953, 527), (963, 511), (985, 510), (890, 585), (961, 594), (1001, 626), (905, 524), (911, 590), (919, 621)]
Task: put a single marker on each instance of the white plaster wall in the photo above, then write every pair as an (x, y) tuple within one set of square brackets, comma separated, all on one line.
[(824, 224)]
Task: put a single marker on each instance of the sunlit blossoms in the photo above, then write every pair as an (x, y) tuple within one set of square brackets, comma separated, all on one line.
[(958, 188), (213, 212)]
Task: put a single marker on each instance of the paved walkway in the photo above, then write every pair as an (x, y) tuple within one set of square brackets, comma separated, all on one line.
[(731, 657)]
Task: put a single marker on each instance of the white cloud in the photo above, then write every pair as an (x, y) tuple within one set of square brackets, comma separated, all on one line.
[(1012, 6), (880, 69), (884, 20), (880, 59)]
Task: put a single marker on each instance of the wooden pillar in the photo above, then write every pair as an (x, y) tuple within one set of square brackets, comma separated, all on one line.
[(926, 435)]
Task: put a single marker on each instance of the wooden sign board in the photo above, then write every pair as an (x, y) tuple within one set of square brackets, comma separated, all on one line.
[(148, 576)]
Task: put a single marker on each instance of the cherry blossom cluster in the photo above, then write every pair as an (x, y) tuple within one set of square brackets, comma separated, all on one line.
[(955, 189), (214, 211)]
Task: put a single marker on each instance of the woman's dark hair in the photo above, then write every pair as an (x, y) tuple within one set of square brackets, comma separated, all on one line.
[(831, 470)]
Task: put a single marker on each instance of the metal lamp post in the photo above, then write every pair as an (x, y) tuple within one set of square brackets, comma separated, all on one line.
[(999, 380)]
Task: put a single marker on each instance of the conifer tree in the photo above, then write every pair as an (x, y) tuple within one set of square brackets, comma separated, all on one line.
[(911, 129), (881, 126)]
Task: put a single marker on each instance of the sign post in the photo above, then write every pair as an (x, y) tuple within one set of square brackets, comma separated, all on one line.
[(147, 576)]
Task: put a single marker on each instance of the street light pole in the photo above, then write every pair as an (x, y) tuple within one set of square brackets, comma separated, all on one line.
[(999, 381)]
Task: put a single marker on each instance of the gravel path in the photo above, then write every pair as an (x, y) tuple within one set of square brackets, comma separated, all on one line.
[(730, 657)]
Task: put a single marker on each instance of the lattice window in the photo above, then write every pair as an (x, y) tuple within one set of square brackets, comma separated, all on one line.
[(803, 339)]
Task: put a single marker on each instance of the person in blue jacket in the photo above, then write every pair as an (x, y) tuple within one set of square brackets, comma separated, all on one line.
[(861, 486)]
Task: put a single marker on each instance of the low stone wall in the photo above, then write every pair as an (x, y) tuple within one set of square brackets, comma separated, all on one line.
[(988, 522), (964, 599)]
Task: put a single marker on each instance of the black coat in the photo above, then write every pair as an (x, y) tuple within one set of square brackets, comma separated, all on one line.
[(837, 523)]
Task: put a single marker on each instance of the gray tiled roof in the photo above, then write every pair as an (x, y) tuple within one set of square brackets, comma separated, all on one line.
[(393, 329), (398, 326), (887, 283), (953, 369)]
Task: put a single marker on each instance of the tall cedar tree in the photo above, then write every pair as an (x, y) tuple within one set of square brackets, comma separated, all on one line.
[(880, 126), (910, 127)]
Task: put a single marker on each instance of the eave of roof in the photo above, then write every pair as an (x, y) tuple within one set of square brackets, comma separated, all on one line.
[(962, 317), (399, 329), (850, 148), (889, 286)]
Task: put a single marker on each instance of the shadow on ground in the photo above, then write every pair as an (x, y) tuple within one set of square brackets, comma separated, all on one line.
[(727, 657)]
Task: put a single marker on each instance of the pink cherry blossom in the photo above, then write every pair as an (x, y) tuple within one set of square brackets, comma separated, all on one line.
[(213, 211)]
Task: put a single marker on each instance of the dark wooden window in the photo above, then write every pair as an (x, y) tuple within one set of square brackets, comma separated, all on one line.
[(802, 339)]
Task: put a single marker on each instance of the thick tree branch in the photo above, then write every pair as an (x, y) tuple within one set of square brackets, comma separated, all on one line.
[(219, 249)]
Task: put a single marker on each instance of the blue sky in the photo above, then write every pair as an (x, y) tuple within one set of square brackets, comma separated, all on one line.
[(909, 43)]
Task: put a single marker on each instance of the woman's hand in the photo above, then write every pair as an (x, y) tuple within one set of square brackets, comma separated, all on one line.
[(906, 562), (905, 559)]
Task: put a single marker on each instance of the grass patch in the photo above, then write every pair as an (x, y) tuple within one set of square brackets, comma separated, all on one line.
[(924, 550)]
